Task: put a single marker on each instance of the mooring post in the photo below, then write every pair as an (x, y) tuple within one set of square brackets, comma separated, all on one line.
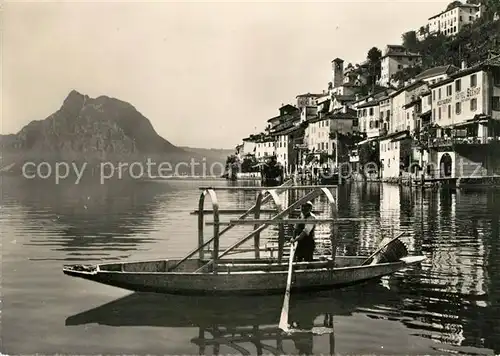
[(215, 254), (201, 224), (256, 239), (201, 345)]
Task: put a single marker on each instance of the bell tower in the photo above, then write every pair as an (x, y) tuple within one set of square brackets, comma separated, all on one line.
[(337, 72)]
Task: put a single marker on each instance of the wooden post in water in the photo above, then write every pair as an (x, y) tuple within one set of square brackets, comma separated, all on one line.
[(201, 224), (201, 346), (215, 253), (256, 238)]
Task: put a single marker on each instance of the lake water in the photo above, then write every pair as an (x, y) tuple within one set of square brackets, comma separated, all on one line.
[(448, 305)]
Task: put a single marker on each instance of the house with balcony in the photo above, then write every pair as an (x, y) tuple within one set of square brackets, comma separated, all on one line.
[(465, 135), (401, 117), (264, 147), (287, 113), (325, 137)]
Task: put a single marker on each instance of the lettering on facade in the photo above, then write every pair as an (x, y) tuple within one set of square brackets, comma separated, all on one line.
[(444, 102), (468, 94)]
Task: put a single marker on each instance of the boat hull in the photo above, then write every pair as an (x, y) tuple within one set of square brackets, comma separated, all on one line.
[(251, 282)]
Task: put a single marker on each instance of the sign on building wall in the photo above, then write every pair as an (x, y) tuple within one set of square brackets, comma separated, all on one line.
[(467, 94), (444, 102)]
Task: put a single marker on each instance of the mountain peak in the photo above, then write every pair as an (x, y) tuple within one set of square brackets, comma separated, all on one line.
[(88, 126)]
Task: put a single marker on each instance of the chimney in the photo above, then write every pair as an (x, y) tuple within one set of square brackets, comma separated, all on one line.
[(464, 65)]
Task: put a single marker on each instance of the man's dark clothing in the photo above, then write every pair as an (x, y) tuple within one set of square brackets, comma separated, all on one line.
[(305, 246)]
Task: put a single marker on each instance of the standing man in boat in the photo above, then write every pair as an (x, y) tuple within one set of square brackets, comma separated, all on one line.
[(304, 235)]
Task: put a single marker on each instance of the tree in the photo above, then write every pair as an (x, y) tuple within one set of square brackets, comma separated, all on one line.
[(453, 4), (374, 55), (410, 41)]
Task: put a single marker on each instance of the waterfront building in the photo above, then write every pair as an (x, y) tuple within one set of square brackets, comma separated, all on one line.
[(325, 137), (264, 147), (394, 59), (450, 21), (395, 154), (400, 117), (249, 145), (466, 122)]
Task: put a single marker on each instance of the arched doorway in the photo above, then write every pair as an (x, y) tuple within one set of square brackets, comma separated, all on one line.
[(445, 165)]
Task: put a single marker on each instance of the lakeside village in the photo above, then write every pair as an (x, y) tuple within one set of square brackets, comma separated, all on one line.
[(440, 126)]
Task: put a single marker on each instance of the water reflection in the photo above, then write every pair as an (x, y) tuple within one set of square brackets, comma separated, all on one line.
[(243, 324), (86, 217), (452, 300)]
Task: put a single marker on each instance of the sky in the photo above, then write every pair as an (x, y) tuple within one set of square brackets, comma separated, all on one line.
[(206, 74)]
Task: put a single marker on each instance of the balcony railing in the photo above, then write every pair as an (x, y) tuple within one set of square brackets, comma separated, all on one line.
[(450, 141)]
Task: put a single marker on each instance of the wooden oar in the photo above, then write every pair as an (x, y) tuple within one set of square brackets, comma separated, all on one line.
[(286, 301), (381, 247)]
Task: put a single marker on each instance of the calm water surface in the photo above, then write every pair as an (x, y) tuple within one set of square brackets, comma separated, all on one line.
[(449, 305)]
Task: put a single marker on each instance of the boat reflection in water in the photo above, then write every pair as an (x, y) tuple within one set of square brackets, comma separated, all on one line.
[(247, 325)]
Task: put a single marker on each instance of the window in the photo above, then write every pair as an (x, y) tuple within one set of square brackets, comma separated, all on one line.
[(496, 77), (434, 114), (473, 105), (429, 100), (458, 108), (439, 94), (495, 103), (473, 80), (458, 85), (449, 90), (434, 95), (371, 111), (449, 111), (439, 111)]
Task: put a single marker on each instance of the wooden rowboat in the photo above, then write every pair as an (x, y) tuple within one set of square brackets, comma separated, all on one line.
[(220, 275), (236, 276)]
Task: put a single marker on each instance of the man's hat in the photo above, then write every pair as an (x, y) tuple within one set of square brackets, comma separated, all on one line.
[(308, 203)]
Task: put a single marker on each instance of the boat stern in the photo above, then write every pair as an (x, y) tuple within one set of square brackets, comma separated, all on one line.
[(79, 270)]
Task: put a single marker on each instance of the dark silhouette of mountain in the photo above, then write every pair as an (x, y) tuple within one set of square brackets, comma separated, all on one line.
[(94, 130), (84, 125)]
